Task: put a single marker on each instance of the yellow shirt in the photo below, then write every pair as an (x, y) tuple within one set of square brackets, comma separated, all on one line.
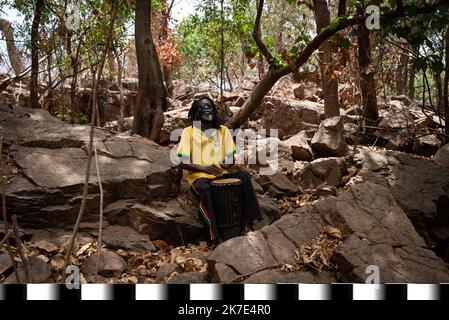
[(205, 149)]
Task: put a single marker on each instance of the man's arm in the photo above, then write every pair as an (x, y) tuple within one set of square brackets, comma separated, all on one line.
[(214, 170)]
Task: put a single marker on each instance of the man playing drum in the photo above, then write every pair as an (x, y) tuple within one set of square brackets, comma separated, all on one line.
[(207, 151)]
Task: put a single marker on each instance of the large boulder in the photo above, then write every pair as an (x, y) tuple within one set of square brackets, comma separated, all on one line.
[(329, 139), (396, 126), (47, 164), (290, 117), (171, 221)]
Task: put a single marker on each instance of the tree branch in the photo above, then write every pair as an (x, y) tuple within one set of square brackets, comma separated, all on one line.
[(257, 34), (328, 32)]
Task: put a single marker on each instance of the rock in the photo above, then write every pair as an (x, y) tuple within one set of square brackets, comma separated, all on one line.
[(270, 212), (325, 191), (419, 185), (221, 273), (278, 185), (350, 132), (299, 146), (327, 171), (300, 91), (239, 101), (257, 187), (169, 221), (188, 277), (426, 145), (442, 156), (121, 237), (110, 264), (275, 244), (181, 90), (245, 254), (403, 99), (40, 272), (117, 212), (165, 270), (397, 126), (375, 214), (377, 232), (269, 153), (52, 158), (329, 140), (174, 120), (131, 84), (290, 118), (276, 276), (5, 263), (353, 111), (407, 264)]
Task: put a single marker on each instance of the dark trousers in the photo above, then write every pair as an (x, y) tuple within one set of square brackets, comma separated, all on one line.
[(206, 211)]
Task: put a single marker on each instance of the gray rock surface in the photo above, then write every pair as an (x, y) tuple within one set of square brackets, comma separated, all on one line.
[(329, 139)]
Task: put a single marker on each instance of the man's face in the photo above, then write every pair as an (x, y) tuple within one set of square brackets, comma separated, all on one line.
[(205, 111)]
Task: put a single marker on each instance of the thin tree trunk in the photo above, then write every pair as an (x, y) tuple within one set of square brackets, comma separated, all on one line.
[(151, 95), (367, 81), (400, 73), (34, 85), (411, 79), (446, 88), (329, 83), (97, 77), (15, 58)]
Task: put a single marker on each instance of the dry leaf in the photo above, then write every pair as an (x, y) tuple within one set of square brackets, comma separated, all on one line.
[(333, 232), (83, 249), (45, 245)]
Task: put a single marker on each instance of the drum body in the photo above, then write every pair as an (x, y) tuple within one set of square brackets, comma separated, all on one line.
[(227, 197)]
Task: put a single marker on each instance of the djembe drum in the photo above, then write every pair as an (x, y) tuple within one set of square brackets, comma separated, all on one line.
[(227, 197)]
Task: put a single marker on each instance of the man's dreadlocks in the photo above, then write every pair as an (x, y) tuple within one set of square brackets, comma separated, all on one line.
[(195, 105)]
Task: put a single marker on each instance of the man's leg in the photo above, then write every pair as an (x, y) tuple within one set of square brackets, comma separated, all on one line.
[(206, 206), (250, 205)]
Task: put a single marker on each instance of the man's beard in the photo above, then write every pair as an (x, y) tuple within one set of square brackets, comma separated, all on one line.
[(207, 117)]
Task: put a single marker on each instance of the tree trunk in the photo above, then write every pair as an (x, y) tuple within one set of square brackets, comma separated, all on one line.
[(15, 59), (411, 79), (446, 88), (367, 82), (402, 68), (329, 82), (34, 85), (151, 95)]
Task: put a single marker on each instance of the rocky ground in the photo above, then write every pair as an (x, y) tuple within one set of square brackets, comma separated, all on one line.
[(329, 212)]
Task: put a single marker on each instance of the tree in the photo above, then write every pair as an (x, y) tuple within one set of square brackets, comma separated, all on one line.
[(278, 69), (34, 85), (15, 58), (446, 86), (329, 83), (152, 94), (367, 71)]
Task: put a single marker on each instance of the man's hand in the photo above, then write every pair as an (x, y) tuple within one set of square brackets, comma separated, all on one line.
[(213, 169), (226, 165)]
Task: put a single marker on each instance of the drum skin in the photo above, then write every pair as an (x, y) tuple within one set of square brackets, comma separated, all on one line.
[(227, 197)]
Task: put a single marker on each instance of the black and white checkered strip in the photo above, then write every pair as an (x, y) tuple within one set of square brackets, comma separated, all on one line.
[(228, 292)]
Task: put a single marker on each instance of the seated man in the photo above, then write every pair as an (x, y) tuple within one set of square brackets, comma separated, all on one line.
[(207, 151)]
